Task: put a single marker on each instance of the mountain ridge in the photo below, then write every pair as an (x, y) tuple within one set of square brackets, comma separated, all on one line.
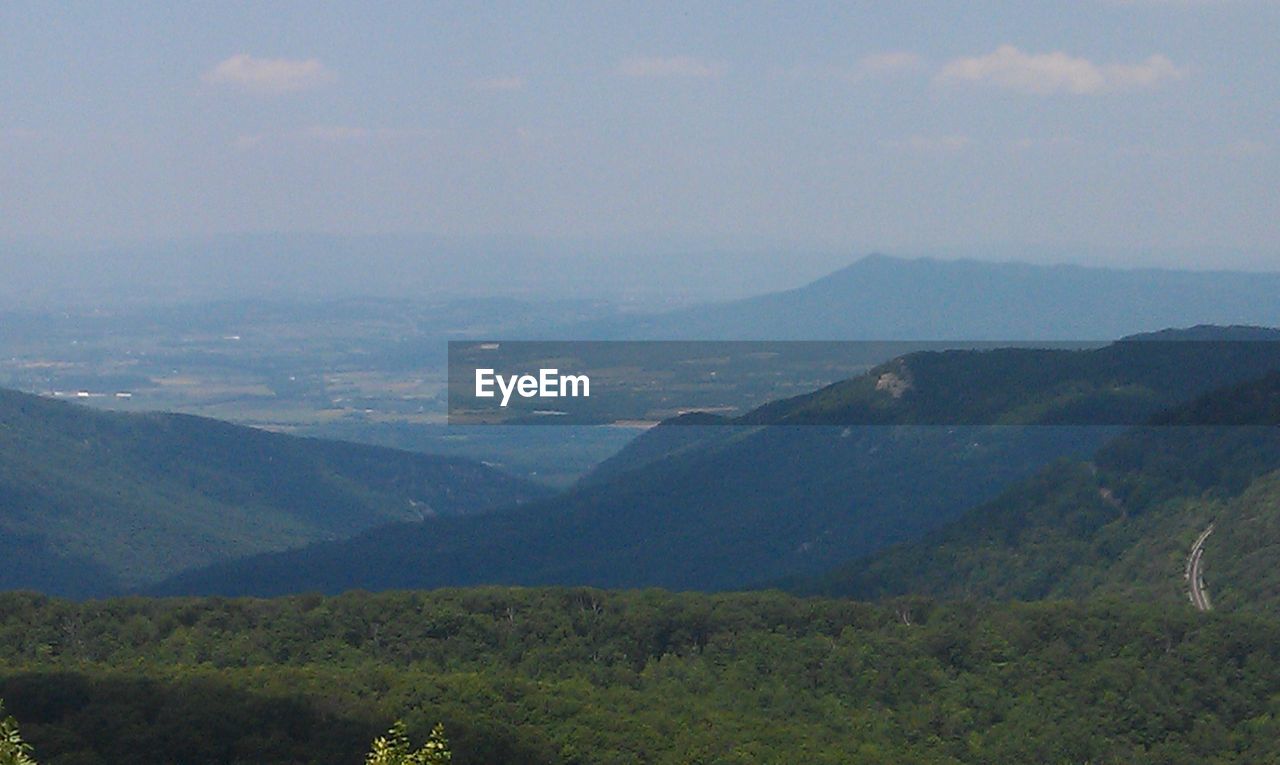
[(883, 297), (734, 505), (1122, 523), (92, 501)]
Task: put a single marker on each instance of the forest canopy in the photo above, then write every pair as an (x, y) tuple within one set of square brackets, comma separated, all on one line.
[(590, 676)]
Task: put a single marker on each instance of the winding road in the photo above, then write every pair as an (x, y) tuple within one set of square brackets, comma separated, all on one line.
[(1195, 573)]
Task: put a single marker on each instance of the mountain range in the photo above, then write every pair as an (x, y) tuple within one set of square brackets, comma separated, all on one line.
[(794, 488), (880, 484)]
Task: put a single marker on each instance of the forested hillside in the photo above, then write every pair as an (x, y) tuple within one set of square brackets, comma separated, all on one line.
[(794, 488), (92, 502), (590, 676), (1123, 523)]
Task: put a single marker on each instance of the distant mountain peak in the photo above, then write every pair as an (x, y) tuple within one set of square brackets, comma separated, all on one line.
[(886, 297)]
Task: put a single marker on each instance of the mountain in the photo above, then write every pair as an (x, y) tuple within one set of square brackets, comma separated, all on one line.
[(1122, 383), (794, 488), (1128, 522), (92, 501), (887, 298)]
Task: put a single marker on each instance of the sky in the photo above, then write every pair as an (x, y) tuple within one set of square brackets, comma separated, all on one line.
[(1124, 133)]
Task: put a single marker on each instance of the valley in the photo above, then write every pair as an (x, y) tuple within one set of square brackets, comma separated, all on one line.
[(976, 526), (805, 485), (717, 383)]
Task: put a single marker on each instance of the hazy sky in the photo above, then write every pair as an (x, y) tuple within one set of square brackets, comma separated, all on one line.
[(1147, 129)]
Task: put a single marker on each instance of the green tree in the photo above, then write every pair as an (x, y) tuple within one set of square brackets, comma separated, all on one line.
[(13, 750), (395, 749)]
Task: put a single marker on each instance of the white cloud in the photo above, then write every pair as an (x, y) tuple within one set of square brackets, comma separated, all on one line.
[(923, 144), (671, 66), (498, 83), (1047, 73), (269, 76)]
